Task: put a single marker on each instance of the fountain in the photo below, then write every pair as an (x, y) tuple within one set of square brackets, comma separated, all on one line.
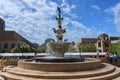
[(57, 49)]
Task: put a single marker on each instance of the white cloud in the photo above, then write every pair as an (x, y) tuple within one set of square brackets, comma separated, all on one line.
[(34, 19), (77, 30), (96, 7), (116, 13)]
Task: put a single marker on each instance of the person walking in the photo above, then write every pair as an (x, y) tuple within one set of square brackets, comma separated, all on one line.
[(97, 55), (116, 57), (3, 63), (111, 59), (107, 56)]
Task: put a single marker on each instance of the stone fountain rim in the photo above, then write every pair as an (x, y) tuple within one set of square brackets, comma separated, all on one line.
[(58, 67), (92, 61)]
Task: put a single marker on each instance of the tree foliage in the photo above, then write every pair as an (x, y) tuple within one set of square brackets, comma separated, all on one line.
[(115, 47), (15, 49), (23, 47), (87, 48)]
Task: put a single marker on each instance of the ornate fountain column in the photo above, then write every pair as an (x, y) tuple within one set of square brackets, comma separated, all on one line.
[(59, 32), (57, 49)]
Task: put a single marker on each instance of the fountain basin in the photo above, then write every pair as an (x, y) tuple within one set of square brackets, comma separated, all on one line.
[(59, 67)]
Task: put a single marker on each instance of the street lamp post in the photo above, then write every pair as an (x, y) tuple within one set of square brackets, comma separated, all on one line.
[(79, 46), (22, 47), (80, 50)]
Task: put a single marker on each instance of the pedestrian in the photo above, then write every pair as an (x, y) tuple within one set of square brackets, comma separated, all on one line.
[(107, 56), (111, 59), (116, 57), (3, 63), (97, 55), (35, 52)]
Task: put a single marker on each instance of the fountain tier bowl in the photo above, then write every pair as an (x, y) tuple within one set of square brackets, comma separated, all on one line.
[(58, 49)]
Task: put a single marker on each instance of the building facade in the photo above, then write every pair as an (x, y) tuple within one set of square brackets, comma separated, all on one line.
[(102, 42), (43, 47), (2, 25), (10, 39)]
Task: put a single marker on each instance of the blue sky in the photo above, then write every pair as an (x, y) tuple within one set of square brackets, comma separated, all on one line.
[(34, 19)]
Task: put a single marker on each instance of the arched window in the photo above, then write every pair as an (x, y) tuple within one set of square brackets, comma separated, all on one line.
[(106, 38), (99, 44), (106, 44)]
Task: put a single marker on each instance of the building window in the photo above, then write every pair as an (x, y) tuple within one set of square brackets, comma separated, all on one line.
[(12, 45), (106, 44), (5, 45), (99, 44)]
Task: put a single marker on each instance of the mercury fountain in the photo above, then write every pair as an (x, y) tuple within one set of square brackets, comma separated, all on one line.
[(57, 49)]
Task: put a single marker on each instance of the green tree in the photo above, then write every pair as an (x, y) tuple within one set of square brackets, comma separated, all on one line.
[(115, 47), (87, 48), (31, 49), (23, 47), (15, 50)]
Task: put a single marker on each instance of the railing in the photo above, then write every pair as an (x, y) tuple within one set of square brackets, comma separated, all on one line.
[(44, 54)]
